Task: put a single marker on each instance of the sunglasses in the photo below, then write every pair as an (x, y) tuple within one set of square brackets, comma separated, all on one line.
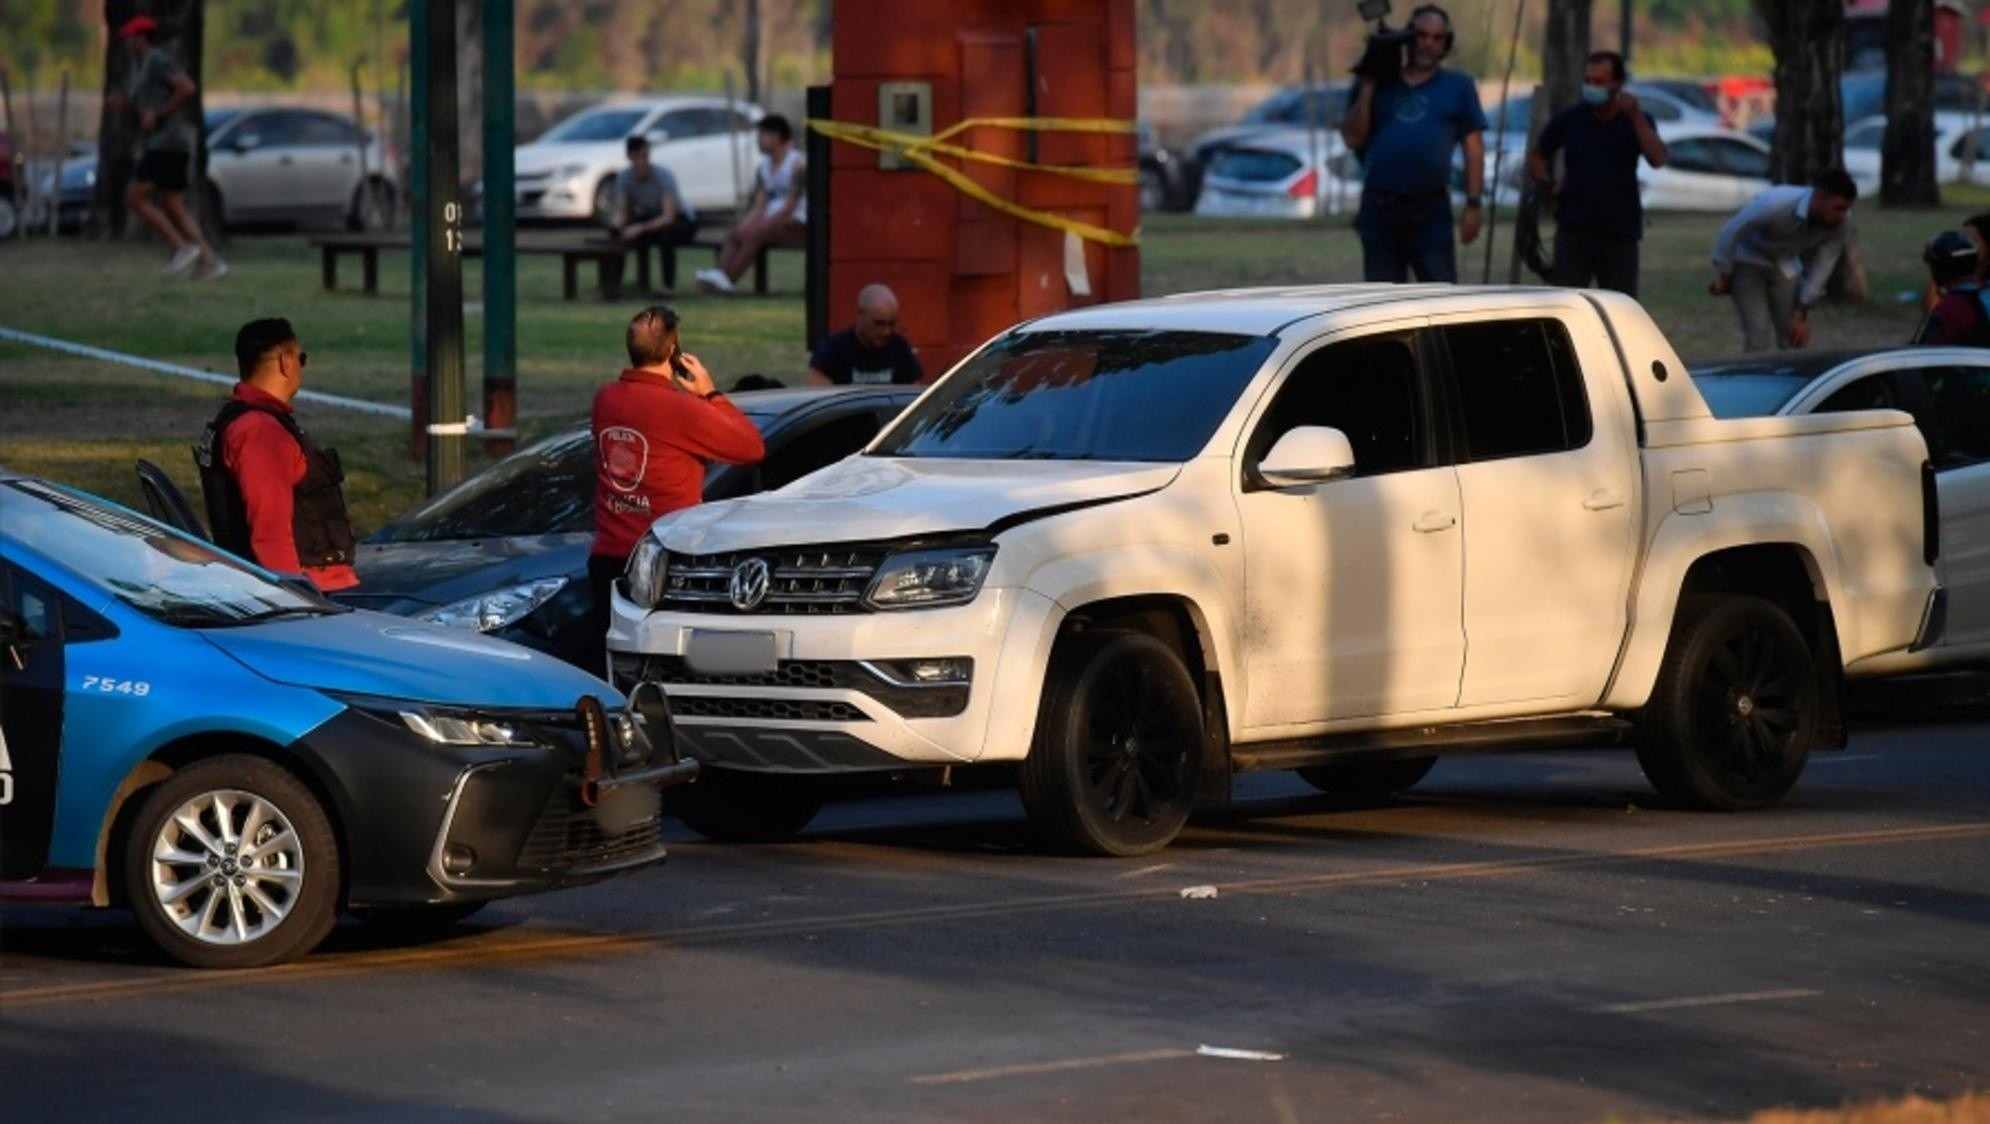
[(877, 323), (303, 359)]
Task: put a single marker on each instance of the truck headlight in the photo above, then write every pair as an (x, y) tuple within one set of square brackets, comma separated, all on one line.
[(498, 608), (921, 578), (648, 564)]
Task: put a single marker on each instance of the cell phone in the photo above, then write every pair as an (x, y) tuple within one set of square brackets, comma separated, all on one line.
[(677, 366)]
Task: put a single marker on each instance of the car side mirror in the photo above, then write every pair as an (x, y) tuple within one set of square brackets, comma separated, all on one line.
[(14, 639), (1308, 454)]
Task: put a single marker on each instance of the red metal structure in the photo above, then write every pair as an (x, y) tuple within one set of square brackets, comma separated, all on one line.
[(963, 270)]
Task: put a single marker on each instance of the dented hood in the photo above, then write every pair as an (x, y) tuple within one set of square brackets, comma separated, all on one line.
[(871, 498)]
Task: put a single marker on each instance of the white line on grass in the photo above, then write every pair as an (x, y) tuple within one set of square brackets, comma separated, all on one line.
[(174, 369)]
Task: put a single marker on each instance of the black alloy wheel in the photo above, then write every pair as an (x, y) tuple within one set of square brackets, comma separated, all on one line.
[(1118, 747), (1736, 709)]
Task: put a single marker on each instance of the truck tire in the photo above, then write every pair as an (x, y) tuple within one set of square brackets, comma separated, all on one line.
[(1118, 745), (735, 807), (1367, 782), (232, 863), (1735, 710)]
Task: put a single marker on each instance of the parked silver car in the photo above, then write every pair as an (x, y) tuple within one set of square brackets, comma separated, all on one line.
[(276, 164)]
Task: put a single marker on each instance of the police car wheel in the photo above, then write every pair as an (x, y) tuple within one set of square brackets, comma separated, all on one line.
[(232, 863)]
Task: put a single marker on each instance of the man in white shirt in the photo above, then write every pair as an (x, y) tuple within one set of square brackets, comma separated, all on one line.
[(778, 215), (1775, 256)]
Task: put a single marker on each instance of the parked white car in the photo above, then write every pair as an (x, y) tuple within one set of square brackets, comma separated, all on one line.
[(706, 142), (1952, 138), (1288, 173), (1947, 390), (1668, 112), (1709, 169), (1136, 548)]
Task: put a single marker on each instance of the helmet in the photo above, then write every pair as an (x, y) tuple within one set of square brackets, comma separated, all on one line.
[(1950, 255)]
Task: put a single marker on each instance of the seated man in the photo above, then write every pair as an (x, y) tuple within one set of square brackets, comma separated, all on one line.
[(651, 211), (870, 351), (778, 215)]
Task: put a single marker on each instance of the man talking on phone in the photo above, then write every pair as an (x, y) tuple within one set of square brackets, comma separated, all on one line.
[(656, 428)]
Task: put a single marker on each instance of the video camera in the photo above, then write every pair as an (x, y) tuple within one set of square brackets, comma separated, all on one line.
[(1383, 59)]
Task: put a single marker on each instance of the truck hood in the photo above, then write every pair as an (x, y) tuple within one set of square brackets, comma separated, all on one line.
[(869, 498), (366, 653)]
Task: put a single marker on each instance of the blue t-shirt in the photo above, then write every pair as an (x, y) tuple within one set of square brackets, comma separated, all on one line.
[(1599, 172), (1414, 129)]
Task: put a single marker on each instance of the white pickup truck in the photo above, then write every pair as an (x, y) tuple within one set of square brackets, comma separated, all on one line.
[(1134, 549)]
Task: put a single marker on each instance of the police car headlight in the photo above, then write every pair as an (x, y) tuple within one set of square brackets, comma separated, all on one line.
[(643, 580), (497, 608), (920, 579), (445, 727)]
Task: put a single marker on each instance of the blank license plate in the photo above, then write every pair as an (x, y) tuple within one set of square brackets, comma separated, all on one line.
[(731, 653)]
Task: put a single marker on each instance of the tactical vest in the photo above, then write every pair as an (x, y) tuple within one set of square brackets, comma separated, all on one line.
[(318, 521)]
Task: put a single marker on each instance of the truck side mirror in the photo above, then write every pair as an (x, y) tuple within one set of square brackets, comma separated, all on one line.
[(1308, 454)]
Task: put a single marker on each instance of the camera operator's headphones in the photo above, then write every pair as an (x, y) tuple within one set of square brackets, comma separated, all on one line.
[(1450, 36)]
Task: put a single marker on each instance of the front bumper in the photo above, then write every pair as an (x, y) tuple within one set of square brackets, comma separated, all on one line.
[(428, 823), (553, 199), (831, 705)]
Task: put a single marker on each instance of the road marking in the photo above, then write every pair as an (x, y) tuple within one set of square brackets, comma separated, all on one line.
[(512, 946), (1703, 1001), (1062, 1065)]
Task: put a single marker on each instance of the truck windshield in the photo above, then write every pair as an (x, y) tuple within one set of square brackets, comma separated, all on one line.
[(1093, 395), (168, 576)]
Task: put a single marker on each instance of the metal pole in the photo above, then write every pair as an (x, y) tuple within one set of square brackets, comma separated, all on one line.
[(443, 248), (817, 157), (1630, 20), (732, 149), (366, 193), (1313, 132), (417, 107), (1499, 153), (7, 107), (500, 247)]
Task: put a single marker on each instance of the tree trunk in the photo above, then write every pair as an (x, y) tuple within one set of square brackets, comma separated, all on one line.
[(1564, 51), (1907, 154), (117, 128), (1808, 38)]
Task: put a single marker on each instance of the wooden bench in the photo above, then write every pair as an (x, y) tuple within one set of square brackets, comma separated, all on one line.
[(710, 242), (609, 259)]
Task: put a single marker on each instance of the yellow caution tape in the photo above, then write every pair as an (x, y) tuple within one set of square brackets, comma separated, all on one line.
[(920, 150)]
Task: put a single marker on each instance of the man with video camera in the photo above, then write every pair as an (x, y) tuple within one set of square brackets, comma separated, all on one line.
[(1406, 118)]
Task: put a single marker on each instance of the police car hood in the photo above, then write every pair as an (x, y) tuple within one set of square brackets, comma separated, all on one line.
[(866, 498), (366, 653)]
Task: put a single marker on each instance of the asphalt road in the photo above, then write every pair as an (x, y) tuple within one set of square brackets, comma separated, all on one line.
[(1524, 938)]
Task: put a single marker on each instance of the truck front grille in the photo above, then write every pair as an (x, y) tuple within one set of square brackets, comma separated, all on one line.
[(802, 579)]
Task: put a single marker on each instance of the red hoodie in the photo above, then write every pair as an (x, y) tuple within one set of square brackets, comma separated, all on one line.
[(268, 464), (652, 441)]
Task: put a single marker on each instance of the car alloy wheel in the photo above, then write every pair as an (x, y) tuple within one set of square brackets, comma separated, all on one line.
[(227, 867)]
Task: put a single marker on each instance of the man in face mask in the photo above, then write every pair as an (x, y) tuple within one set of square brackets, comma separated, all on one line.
[(1599, 218)]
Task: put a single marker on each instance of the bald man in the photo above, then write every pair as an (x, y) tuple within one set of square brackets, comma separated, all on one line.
[(871, 351)]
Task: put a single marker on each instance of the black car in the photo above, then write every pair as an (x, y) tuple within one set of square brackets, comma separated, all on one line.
[(505, 552)]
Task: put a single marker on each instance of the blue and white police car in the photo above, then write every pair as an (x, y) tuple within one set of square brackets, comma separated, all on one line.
[(237, 759)]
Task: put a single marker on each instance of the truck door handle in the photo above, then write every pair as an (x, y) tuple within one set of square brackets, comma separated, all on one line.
[(1602, 499), (1434, 521)]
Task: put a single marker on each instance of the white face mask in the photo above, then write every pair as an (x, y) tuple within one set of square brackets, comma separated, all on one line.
[(1595, 95)]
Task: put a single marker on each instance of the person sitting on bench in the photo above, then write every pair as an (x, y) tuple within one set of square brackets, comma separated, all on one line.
[(651, 211), (778, 215)]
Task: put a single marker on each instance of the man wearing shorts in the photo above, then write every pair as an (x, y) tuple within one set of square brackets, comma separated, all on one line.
[(157, 90)]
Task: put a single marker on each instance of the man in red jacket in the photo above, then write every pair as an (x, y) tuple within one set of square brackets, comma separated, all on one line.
[(655, 430), (273, 495)]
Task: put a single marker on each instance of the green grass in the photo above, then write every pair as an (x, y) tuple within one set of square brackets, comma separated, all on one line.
[(83, 421)]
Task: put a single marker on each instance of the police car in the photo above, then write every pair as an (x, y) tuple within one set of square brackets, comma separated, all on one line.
[(236, 759)]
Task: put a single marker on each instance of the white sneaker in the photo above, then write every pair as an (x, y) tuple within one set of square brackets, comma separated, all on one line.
[(216, 271), (183, 259), (715, 281)]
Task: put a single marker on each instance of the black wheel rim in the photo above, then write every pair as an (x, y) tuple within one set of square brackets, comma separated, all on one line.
[(1750, 704), (1136, 748)]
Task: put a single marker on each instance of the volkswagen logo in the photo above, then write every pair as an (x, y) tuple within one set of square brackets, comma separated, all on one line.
[(749, 584)]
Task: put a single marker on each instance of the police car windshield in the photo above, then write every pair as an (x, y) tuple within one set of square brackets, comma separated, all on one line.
[(1108, 395), (171, 577)]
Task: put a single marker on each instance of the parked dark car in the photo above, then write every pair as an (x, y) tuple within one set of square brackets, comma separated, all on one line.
[(505, 552)]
